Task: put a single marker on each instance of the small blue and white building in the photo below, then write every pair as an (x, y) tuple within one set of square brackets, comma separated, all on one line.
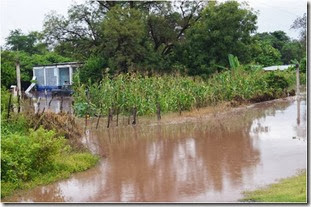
[(48, 77)]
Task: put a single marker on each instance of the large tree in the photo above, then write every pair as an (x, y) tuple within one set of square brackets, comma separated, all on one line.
[(265, 54), (289, 49), (88, 31), (77, 35), (276, 39), (30, 43), (224, 28), (27, 62), (301, 24), (124, 33)]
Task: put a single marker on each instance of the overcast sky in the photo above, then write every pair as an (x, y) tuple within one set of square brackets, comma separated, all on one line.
[(28, 15)]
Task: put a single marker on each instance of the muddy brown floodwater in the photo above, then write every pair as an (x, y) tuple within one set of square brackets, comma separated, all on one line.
[(203, 160)]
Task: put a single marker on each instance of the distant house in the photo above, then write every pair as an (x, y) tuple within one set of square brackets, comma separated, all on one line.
[(277, 67), (48, 77)]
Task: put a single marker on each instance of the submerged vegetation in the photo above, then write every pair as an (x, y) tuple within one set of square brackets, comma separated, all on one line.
[(293, 189), (32, 157), (148, 95)]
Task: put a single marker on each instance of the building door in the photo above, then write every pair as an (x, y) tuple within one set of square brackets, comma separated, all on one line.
[(63, 76)]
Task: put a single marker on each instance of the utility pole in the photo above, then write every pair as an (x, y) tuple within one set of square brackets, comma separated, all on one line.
[(297, 81), (18, 78)]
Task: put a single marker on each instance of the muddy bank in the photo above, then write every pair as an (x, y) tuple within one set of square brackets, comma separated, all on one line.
[(202, 156)]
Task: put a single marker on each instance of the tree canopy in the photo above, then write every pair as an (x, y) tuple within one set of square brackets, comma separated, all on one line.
[(189, 37), (223, 29)]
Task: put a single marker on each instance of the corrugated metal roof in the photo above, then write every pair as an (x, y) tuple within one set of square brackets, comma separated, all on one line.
[(64, 63), (277, 67)]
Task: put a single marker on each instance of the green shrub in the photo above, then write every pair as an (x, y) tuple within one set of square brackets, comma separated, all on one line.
[(23, 157), (38, 157), (276, 81), (17, 124), (5, 96), (93, 69)]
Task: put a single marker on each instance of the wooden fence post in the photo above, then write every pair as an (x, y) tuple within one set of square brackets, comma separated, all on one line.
[(117, 111), (134, 115), (61, 104), (158, 111), (51, 100), (38, 105), (109, 117), (98, 121), (297, 81), (129, 117), (18, 103), (9, 105), (18, 78)]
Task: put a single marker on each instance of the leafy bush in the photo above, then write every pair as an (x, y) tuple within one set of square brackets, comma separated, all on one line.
[(36, 158), (93, 69), (23, 157), (30, 158), (276, 81)]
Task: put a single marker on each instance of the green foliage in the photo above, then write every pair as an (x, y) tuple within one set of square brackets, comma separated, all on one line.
[(276, 39), (24, 157), (29, 158), (16, 124), (276, 81), (277, 42), (5, 95), (93, 69), (8, 71), (176, 93), (132, 35), (31, 43), (189, 37), (77, 36), (218, 33), (303, 65), (266, 55), (292, 50), (124, 30), (27, 62), (233, 61)]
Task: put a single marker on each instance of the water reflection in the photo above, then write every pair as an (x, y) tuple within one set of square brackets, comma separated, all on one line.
[(300, 128), (56, 104), (212, 160)]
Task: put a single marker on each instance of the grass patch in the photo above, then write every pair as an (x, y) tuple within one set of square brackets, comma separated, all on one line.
[(291, 189)]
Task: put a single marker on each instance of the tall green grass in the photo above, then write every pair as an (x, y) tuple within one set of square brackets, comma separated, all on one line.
[(176, 93)]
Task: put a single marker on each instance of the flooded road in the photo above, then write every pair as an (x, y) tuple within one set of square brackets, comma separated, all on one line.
[(203, 160)]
